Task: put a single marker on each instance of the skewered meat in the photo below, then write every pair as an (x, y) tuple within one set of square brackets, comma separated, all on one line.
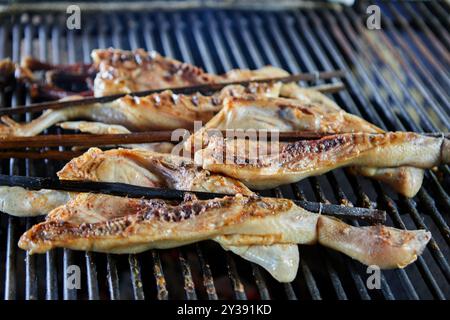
[(146, 169), (149, 169), (311, 112), (119, 225), (162, 111), (404, 180), (291, 162), (138, 167), (279, 114)]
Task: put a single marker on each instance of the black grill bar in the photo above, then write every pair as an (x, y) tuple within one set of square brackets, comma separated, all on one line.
[(30, 270), (436, 24), (441, 10), (10, 270), (91, 274), (424, 28), (189, 286), (236, 283)]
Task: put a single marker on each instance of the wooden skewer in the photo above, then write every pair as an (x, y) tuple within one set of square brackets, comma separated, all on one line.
[(36, 107), (90, 140), (132, 191), (87, 140)]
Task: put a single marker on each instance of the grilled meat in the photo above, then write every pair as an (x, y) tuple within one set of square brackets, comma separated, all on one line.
[(311, 111), (262, 165), (149, 169), (137, 167), (279, 114), (162, 111), (146, 169), (119, 225), (121, 71), (7, 70), (405, 180)]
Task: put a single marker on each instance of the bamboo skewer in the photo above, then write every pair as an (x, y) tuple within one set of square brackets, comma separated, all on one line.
[(132, 191), (87, 140), (37, 107)]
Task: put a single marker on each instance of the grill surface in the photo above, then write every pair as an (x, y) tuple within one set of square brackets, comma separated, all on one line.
[(398, 78)]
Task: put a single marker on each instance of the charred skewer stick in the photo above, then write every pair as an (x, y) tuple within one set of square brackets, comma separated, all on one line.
[(127, 190), (204, 88)]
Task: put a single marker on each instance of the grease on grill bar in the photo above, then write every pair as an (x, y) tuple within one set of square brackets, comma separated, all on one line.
[(395, 89)]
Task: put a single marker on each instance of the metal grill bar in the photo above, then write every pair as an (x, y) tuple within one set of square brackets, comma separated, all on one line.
[(436, 24)]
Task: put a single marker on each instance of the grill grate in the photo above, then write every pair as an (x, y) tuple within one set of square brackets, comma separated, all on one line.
[(397, 79)]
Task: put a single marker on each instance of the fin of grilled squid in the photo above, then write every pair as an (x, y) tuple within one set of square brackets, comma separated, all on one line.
[(405, 180), (379, 245), (21, 202), (280, 260)]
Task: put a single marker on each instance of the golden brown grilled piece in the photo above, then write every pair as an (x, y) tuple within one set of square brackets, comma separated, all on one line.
[(136, 167), (161, 111), (310, 111), (119, 225), (405, 180), (121, 71), (152, 170), (261, 166), (265, 113)]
